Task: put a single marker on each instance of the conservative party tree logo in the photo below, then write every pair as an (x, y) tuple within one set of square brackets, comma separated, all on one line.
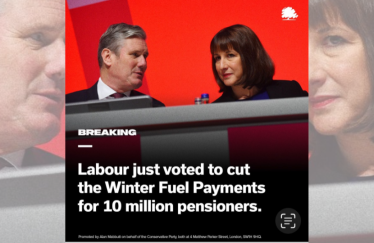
[(289, 13)]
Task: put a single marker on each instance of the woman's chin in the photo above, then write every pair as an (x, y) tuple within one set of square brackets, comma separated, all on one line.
[(327, 129), (229, 82)]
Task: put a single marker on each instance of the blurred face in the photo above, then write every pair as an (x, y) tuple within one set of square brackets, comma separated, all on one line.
[(32, 71), (129, 67), (339, 82), (228, 66)]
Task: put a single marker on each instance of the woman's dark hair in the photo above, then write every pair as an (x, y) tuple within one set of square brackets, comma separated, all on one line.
[(359, 16), (258, 68)]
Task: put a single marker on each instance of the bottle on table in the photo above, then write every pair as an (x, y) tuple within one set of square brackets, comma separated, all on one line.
[(205, 98)]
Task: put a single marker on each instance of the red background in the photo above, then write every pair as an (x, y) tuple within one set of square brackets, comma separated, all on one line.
[(178, 37)]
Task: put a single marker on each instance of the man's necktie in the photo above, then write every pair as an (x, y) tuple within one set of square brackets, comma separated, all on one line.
[(4, 164), (117, 95)]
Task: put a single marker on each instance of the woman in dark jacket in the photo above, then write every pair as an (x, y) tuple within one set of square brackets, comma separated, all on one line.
[(243, 69)]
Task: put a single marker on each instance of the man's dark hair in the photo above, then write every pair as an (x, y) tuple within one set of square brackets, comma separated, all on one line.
[(114, 36)]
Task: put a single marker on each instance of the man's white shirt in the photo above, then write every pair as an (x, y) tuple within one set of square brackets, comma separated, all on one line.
[(104, 90)]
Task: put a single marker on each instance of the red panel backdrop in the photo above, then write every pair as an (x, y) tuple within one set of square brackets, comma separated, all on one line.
[(179, 33)]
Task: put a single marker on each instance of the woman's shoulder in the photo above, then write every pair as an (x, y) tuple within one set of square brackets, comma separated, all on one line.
[(285, 89), (326, 162), (225, 97)]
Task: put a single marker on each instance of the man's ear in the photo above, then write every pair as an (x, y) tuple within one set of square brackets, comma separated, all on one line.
[(107, 56)]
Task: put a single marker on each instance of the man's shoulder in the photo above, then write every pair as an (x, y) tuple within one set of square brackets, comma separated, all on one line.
[(77, 96), (83, 95), (38, 157), (155, 102), (91, 94)]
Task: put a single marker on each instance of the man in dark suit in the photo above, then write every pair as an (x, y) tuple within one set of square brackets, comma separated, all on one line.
[(32, 70), (122, 56)]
